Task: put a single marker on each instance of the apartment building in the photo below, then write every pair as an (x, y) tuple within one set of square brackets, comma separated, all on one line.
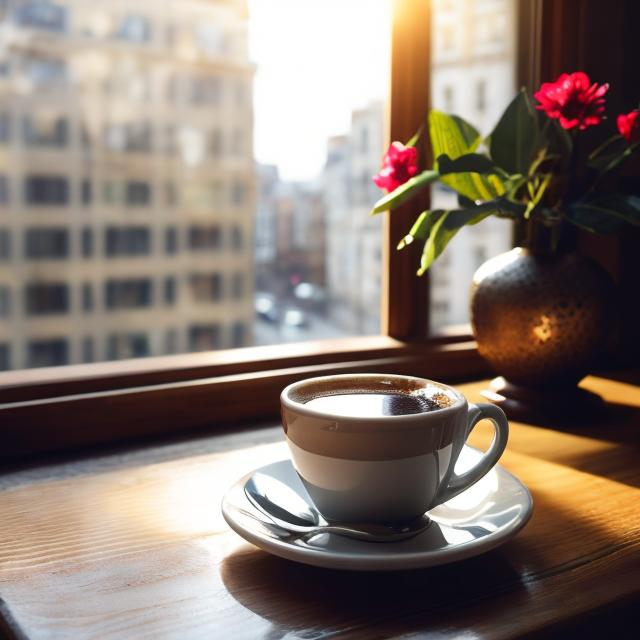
[(127, 180), (354, 238), (473, 76)]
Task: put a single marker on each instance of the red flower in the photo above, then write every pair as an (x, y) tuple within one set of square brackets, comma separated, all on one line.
[(398, 165), (629, 126), (573, 100)]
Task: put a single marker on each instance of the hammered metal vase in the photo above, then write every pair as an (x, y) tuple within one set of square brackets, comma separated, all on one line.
[(540, 320)]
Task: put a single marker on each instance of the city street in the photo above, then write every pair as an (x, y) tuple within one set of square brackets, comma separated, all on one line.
[(317, 328)]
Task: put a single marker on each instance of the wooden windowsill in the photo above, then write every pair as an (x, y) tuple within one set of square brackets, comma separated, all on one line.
[(133, 544), (39, 414)]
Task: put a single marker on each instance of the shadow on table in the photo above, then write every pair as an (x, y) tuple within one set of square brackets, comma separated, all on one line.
[(616, 425), (296, 597), (499, 592)]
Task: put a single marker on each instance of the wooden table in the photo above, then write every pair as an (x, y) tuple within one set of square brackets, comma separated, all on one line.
[(133, 546)]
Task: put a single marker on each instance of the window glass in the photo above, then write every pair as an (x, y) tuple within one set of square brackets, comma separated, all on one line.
[(184, 166), (472, 76)]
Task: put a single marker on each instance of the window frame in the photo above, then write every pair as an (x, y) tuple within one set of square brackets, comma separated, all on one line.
[(77, 405)]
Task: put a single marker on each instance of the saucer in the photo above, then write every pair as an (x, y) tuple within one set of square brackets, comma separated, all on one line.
[(484, 516)]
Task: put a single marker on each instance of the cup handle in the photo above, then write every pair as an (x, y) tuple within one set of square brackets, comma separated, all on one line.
[(457, 484)]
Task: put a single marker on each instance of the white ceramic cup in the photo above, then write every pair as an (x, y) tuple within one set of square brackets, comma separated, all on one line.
[(387, 468)]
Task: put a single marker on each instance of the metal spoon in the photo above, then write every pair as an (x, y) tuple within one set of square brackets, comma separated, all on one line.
[(286, 509)]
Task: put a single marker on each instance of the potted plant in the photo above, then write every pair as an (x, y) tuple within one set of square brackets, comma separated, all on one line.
[(541, 311)]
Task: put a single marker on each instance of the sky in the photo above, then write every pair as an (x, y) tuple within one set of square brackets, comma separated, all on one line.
[(317, 61)]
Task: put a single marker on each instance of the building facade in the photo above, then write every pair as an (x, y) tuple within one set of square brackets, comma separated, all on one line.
[(354, 238), (127, 180), (473, 76)]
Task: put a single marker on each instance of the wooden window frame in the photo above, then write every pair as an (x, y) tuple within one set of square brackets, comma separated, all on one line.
[(67, 407)]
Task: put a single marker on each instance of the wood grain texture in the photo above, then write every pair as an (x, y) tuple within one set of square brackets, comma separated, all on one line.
[(141, 551), (69, 422), (405, 297)]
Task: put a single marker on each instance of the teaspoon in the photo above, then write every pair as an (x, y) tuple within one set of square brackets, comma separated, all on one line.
[(289, 511)]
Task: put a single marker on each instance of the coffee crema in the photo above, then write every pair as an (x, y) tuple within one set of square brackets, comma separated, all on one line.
[(363, 403)]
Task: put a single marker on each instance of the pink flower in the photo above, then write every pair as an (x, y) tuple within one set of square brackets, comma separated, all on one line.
[(398, 165), (629, 126), (573, 100)]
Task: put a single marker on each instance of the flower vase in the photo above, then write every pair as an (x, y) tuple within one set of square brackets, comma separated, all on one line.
[(540, 318)]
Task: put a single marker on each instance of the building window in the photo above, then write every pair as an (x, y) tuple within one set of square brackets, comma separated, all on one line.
[(128, 294), (170, 290), (45, 299), (5, 244), (238, 334), (481, 95), (47, 353), (112, 192), (133, 136), (43, 131), (237, 285), (87, 242), (480, 255), (215, 144), (171, 240), (236, 238), (5, 127), (204, 238), (127, 241), (88, 351), (206, 287), (46, 190), (46, 243), (5, 302), (171, 341), (128, 345), (238, 193), (138, 194), (46, 73), (364, 140), (134, 29), (206, 90), (87, 297), (5, 357), (41, 14), (170, 194), (448, 99), (4, 190), (86, 192), (204, 337), (170, 140)]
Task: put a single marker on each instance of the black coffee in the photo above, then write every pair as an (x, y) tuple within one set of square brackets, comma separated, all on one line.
[(373, 404)]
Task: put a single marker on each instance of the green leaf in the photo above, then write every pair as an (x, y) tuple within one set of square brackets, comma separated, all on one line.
[(617, 154), (467, 163), (416, 136), (537, 193), (616, 142), (421, 227), (515, 137), (558, 140), (455, 137), (405, 191), (623, 208), (451, 135), (591, 219), (443, 231)]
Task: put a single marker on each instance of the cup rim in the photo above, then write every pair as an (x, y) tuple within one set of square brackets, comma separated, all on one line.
[(300, 407)]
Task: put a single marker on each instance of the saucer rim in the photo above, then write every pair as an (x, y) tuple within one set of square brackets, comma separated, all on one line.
[(384, 561)]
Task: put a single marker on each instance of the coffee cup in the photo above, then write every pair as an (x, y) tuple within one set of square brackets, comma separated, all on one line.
[(383, 448)]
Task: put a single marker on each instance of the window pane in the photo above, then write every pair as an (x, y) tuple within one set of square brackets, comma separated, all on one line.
[(185, 176), (473, 76)]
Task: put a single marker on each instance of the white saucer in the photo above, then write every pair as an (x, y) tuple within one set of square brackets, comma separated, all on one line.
[(479, 519)]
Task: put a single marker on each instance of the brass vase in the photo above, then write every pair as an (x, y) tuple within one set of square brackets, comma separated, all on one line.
[(540, 319)]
